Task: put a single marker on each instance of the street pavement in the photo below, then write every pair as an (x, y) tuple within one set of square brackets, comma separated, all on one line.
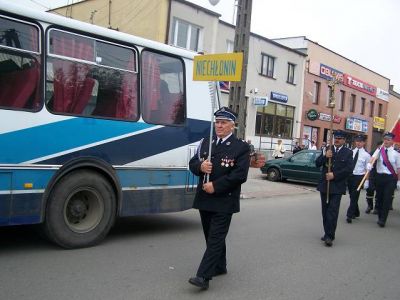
[(274, 252)]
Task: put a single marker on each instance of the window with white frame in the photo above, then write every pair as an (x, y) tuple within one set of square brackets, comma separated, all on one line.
[(229, 46), (186, 35), (290, 75), (267, 65)]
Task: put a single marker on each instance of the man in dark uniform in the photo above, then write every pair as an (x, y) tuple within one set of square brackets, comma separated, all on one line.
[(218, 198), (387, 176), (332, 185), (360, 160)]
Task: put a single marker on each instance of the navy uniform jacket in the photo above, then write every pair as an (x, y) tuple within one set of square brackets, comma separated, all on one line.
[(342, 168), (231, 161)]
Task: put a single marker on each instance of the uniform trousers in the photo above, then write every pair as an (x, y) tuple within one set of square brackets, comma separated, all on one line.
[(385, 186), (353, 182), (215, 228), (330, 213)]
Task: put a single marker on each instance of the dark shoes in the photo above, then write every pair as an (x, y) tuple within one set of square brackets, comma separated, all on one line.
[(199, 282), (375, 212), (381, 224), (368, 210), (328, 242), (349, 220)]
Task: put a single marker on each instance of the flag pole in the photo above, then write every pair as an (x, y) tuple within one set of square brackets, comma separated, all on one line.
[(332, 83)]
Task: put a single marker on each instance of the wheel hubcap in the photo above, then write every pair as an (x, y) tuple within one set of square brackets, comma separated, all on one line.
[(83, 210)]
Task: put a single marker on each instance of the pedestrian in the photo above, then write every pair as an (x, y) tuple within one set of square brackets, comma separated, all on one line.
[(252, 150), (387, 176), (332, 185), (279, 151), (360, 160), (296, 148), (323, 146), (313, 146), (218, 198), (371, 187)]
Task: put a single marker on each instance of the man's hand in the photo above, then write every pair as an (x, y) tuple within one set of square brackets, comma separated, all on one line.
[(366, 184), (208, 187), (398, 184), (369, 166), (257, 160), (329, 175), (206, 167)]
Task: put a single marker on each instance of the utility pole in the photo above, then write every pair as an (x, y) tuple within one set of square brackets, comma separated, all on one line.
[(237, 95)]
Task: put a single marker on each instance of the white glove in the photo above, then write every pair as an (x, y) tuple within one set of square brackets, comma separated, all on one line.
[(366, 184), (369, 166), (398, 184)]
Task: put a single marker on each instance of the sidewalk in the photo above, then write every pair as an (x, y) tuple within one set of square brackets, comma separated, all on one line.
[(257, 186)]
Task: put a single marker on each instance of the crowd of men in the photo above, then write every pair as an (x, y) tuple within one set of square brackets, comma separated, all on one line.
[(342, 168)]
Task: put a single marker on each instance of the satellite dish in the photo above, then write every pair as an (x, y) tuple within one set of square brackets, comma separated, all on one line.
[(213, 2)]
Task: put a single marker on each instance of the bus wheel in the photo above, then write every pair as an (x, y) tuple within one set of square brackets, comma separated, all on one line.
[(80, 210)]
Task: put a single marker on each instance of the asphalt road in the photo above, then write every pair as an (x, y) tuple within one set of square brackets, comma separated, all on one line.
[(274, 252)]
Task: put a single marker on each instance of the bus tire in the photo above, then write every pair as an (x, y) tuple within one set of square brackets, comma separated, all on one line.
[(81, 210)]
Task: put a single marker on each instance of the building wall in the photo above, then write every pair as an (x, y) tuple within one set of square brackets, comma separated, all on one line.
[(146, 19), (318, 55), (393, 113)]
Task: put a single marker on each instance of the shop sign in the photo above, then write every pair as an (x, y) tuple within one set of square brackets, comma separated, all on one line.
[(312, 115), (337, 119), (379, 123), (357, 124), (325, 117), (279, 97), (330, 73), (359, 85), (260, 101), (382, 94)]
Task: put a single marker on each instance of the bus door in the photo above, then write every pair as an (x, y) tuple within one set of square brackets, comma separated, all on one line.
[(191, 179), (5, 197)]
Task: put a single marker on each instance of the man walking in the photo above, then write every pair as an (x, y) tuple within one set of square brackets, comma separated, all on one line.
[(387, 176), (332, 184), (218, 198), (360, 160)]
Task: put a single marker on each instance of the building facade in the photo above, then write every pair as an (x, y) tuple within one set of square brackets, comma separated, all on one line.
[(360, 99)]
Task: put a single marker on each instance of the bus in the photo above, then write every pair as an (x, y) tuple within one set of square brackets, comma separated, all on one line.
[(95, 124)]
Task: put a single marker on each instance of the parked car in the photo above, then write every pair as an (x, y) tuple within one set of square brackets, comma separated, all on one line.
[(299, 166)]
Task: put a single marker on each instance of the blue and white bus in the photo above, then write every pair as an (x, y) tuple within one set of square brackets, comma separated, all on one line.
[(95, 124)]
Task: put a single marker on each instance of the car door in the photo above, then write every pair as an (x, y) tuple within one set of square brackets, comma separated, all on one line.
[(297, 166), (314, 173)]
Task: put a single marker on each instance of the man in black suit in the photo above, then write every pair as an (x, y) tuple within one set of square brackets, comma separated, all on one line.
[(218, 198), (332, 185)]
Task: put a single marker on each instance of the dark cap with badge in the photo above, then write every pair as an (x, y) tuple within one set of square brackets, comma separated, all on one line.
[(360, 138), (224, 113), (340, 134), (388, 135)]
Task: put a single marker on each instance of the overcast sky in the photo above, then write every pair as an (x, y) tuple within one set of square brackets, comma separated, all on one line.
[(365, 31)]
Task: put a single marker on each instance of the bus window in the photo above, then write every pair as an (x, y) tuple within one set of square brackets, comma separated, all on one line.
[(162, 89), (91, 78), (19, 65)]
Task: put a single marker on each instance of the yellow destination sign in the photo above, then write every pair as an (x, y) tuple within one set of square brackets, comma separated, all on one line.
[(218, 67)]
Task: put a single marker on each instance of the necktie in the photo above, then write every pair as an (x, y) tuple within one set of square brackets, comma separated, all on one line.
[(219, 142), (355, 158), (386, 156)]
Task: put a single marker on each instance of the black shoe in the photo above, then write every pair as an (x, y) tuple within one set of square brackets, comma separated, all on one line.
[(368, 210), (375, 212), (349, 220), (323, 238), (199, 282), (221, 272), (381, 224), (328, 242)]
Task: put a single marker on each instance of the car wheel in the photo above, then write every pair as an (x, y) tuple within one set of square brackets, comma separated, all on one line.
[(274, 174)]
